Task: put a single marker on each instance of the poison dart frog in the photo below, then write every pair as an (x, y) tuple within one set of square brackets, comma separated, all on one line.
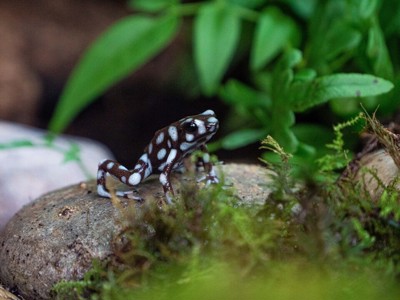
[(165, 153)]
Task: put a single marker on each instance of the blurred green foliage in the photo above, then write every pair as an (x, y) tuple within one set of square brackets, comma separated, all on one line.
[(300, 54)]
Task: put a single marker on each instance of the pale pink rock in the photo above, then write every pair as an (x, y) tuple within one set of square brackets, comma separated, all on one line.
[(28, 172)]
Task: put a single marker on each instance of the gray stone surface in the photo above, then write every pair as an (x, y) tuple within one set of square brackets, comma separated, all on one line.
[(57, 236), (28, 172), (378, 163)]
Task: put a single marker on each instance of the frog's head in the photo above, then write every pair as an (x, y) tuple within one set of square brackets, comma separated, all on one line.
[(196, 130)]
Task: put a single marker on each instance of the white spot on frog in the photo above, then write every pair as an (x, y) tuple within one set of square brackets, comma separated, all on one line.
[(134, 179), (189, 137), (161, 153), (171, 156), (212, 120), (163, 179), (208, 112), (160, 138), (185, 146), (201, 129), (144, 158), (173, 133), (162, 166)]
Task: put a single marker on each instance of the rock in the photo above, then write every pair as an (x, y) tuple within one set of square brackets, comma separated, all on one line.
[(376, 171), (57, 236), (32, 171), (377, 166)]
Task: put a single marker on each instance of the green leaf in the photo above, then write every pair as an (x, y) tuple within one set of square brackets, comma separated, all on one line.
[(362, 10), (314, 135), (239, 94), (272, 33), (378, 53), (242, 138), (283, 75), (341, 39), (305, 75), (308, 94), (345, 107), (390, 17), (303, 8), (216, 34), (125, 47), (290, 59), (279, 125), (333, 37), (285, 136), (283, 72)]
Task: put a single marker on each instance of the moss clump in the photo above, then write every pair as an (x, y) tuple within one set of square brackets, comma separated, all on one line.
[(320, 240)]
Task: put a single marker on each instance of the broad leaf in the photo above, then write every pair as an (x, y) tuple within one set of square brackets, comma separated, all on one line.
[(239, 94), (332, 36), (303, 8), (273, 31), (280, 128), (286, 139), (362, 10), (283, 76), (216, 34), (314, 135), (125, 47), (307, 94), (341, 39), (378, 53), (242, 138)]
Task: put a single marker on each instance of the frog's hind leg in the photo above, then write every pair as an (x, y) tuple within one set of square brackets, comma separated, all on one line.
[(128, 177), (204, 160)]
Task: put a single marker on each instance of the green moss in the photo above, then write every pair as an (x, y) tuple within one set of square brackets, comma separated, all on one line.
[(322, 240)]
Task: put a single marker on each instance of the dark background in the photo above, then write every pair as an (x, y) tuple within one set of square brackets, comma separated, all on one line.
[(43, 40)]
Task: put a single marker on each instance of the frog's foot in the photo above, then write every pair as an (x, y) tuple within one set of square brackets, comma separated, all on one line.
[(210, 179), (130, 195)]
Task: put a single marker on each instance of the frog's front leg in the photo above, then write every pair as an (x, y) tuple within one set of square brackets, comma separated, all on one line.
[(211, 176), (124, 175), (172, 159)]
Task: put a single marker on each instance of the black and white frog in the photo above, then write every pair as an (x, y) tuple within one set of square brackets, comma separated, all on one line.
[(165, 153)]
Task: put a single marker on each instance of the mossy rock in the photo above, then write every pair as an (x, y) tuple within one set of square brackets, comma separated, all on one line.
[(57, 236)]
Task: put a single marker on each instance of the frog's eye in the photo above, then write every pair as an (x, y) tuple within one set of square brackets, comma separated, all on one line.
[(190, 127)]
